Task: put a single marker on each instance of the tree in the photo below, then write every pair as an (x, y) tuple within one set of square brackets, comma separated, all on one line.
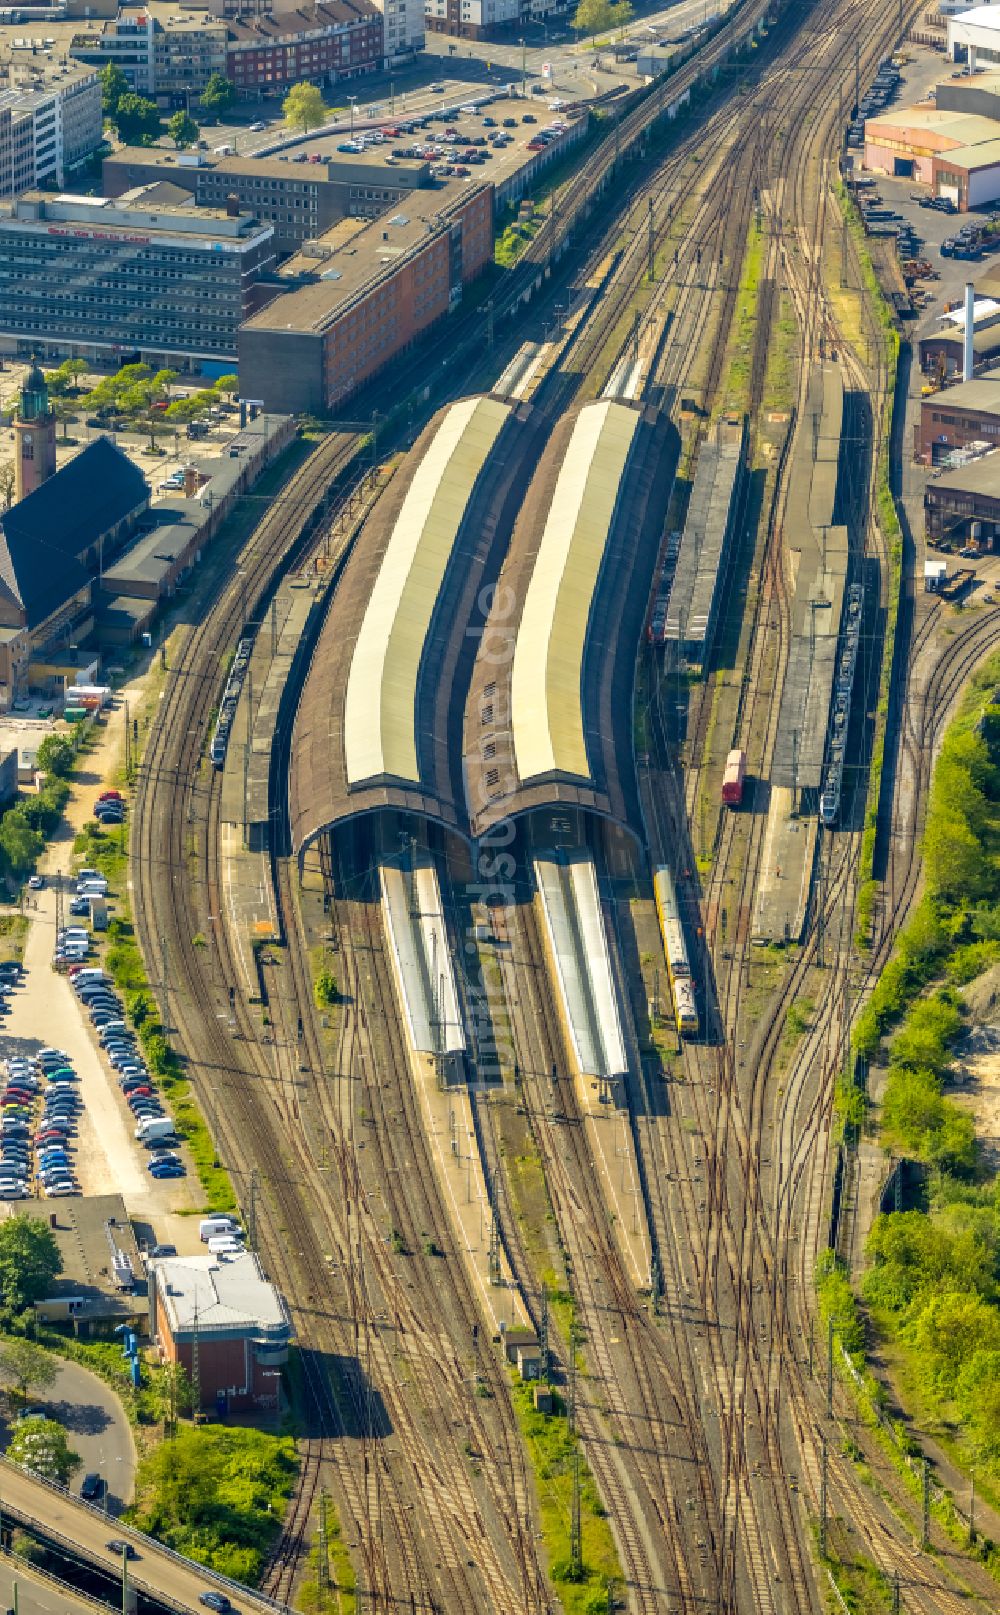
[(229, 386), (137, 120), (623, 13), (163, 381), (56, 382), (21, 846), (41, 1445), (64, 412), (29, 1259), (74, 368), (303, 108), (218, 95), (174, 1395), (28, 1366), (55, 755), (114, 85), (8, 478), (182, 129), (594, 16), (183, 410)]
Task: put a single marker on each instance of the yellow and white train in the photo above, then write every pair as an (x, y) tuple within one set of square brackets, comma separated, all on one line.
[(676, 954)]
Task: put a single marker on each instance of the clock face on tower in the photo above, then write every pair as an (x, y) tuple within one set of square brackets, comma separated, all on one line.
[(28, 440)]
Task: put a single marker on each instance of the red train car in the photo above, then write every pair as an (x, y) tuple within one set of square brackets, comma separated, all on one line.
[(732, 779)]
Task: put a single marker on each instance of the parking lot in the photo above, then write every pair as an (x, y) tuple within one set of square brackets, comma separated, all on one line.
[(43, 1011)]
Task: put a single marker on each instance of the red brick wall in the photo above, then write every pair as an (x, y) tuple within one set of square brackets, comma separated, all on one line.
[(367, 336)]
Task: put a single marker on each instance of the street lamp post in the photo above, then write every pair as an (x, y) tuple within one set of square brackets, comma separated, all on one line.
[(352, 99), (524, 67)]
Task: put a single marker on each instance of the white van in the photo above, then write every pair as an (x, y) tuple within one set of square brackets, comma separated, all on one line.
[(155, 1128), (212, 1227), (226, 1245)]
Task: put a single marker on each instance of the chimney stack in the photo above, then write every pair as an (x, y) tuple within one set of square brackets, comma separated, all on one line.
[(233, 205), (970, 331)]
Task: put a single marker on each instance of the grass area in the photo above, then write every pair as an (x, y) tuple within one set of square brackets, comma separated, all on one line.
[(517, 233), (931, 1286), (339, 1597), (529, 1200), (551, 1448), (837, 1301), (735, 391), (218, 1495), (13, 933), (781, 374)]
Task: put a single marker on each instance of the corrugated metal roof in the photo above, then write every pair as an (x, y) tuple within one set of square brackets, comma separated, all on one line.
[(546, 704), (981, 393), (379, 710)]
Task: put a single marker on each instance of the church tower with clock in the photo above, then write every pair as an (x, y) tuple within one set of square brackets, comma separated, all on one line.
[(34, 436)]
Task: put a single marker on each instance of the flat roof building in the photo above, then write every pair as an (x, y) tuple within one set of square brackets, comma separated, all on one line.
[(974, 36), (50, 123), (956, 153), (100, 279), (964, 503), (239, 1319), (365, 300), (102, 1283), (957, 416), (301, 200)]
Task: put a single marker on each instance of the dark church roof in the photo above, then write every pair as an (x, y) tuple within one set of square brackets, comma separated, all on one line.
[(45, 538)]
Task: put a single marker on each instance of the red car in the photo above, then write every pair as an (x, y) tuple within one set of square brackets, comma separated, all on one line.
[(111, 796)]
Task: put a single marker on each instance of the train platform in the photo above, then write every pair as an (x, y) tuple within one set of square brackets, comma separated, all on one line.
[(587, 997), (421, 958), (694, 596), (785, 873), (280, 640), (418, 947), (817, 560)]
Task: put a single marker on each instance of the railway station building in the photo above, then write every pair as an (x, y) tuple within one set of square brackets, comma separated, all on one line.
[(379, 722), (548, 729)]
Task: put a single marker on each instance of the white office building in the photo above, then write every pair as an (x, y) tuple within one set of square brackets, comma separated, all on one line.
[(403, 26), (50, 123)]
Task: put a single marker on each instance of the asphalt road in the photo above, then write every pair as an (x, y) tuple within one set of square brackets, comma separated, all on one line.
[(35, 1596), (97, 1428), (62, 1515)]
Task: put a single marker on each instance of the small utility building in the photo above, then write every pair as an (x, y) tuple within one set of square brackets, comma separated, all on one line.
[(238, 1319)]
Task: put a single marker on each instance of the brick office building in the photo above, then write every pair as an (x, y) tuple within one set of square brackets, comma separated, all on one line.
[(238, 1318), (360, 298), (957, 416)]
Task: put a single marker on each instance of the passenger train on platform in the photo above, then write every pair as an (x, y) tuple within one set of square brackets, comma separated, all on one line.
[(229, 703), (676, 954)]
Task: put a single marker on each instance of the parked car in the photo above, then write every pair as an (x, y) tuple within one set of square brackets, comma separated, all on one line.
[(36, 882)]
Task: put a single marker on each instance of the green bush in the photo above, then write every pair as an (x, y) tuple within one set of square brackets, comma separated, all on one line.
[(217, 1494)]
